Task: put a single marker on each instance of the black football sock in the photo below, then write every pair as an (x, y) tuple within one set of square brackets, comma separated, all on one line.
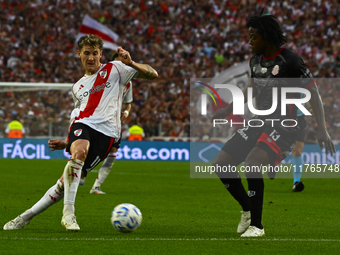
[(255, 193), (236, 189)]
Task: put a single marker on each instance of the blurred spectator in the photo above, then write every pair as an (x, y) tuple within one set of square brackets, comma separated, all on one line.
[(15, 129), (136, 132)]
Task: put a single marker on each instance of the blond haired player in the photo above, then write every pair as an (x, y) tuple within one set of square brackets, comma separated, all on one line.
[(106, 167), (97, 96)]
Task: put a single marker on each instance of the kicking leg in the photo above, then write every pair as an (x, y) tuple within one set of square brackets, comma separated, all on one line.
[(51, 197), (72, 174), (232, 182), (256, 158)]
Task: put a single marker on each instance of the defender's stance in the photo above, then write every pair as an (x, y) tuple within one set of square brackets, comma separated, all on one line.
[(259, 146)]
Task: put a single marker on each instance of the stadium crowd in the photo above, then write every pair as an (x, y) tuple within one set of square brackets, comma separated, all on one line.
[(182, 39)]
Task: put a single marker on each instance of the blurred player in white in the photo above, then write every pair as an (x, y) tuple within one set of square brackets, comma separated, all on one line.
[(106, 167), (96, 125)]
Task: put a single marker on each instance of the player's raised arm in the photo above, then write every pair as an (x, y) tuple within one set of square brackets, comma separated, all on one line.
[(323, 136), (145, 71)]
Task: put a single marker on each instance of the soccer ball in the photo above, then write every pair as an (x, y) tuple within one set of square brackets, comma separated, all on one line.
[(126, 217)]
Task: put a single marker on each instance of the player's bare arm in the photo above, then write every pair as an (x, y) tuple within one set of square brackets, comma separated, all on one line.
[(319, 114), (57, 144), (145, 71), (225, 112), (125, 113)]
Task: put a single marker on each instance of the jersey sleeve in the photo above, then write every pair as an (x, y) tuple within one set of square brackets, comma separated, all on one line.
[(126, 73), (301, 71), (127, 94)]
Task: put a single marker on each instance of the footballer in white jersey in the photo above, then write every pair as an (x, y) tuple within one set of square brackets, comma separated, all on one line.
[(98, 97), (106, 167)]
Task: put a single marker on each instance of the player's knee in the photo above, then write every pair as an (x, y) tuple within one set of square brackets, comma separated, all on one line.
[(254, 164), (257, 157), (254, 161), (225, 167), (298, 148), (296, 152), (222, 158), (80, 153), (216, 161)]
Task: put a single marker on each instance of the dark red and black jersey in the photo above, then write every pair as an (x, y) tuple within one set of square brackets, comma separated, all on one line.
[(284, 69)]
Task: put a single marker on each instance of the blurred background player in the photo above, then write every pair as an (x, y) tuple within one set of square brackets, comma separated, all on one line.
[(106, 167), (297, 160)]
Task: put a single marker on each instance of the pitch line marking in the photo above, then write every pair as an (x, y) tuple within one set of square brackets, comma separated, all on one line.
[(171, 239)]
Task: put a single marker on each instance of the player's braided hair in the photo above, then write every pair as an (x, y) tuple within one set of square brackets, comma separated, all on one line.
[(268, 28), (91, 40)]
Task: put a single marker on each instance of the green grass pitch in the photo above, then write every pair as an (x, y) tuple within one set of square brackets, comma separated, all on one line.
[(181, 215)]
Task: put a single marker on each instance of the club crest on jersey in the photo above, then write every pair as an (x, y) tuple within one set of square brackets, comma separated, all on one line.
[(103, 74), (275, 70), (78, 132), (263, 70)]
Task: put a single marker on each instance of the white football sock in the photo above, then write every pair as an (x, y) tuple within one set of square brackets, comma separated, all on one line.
[(105, 169), (72, 174), (52, 196)]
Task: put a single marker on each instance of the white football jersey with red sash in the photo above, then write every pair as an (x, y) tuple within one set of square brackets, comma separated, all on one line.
[(98, 97), (127, 93)]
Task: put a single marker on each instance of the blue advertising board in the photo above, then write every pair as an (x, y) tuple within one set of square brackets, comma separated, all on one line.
[(30, 148), (206, 152)]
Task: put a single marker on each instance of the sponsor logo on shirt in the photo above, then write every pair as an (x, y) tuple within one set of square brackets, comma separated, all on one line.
[(94, 89), (80, 87)]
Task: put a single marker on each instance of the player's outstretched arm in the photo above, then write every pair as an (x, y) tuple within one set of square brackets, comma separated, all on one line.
[(57, 144), (145, 71), (319, 114)]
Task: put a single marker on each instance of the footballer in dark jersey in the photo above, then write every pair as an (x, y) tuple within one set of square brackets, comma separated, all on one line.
[(272, 66)]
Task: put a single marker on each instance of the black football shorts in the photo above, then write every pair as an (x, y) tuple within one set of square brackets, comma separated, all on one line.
[(100, 144), (277, 142), (116, 143)]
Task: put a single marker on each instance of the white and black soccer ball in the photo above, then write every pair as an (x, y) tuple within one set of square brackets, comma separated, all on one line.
[(126, 217)]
